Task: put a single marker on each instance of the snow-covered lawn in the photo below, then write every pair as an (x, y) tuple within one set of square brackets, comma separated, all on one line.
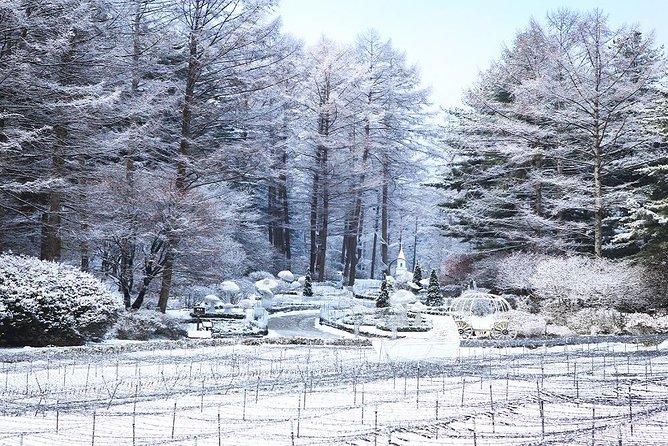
[(314, 395)]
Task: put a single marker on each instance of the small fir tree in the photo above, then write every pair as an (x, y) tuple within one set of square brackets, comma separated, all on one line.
[(434, 296), (417, 275), (383, 300), (308, 284)]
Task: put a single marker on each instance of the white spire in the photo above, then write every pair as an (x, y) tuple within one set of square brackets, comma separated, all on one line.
[(401, 256), (401, 263)]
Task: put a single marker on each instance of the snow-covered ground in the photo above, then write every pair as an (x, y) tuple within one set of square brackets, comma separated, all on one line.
[(314, 395)]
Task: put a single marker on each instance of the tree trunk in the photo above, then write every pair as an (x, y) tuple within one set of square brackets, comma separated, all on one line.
[(415, 241), (538, 189), (51, 242), (598, 155), (324, 217), (167, 273), (357, 219), (598, 203), (375, 243), (283, 196), (314, 213), (384, 223), (184, 149)]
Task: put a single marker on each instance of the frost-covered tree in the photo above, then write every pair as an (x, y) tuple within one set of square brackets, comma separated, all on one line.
[(308, 284), (383, 299), (417, 275), (434, 295), (557, 128), (53, 100)]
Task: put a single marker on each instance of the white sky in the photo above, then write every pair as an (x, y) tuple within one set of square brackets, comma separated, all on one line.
[(451, 41)]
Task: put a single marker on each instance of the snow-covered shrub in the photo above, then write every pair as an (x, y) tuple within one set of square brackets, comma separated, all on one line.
[(558, 330), (229, 291), (47, 303), (259, 275), (643, 324), (286, 275), (143, 325), (596, 321), (527, 324), (568, 284), (515, 272)]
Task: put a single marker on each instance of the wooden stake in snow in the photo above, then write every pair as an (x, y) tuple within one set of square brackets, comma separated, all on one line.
[(174, 420), (630, 411), (463, 385), (87, 375), (92, 443), (593, 425), (375, 426), (475, 434), (257, 388), (541, 410), (57, 416), (219, 438), (201, 401), (491, 406), (243, 417), (417, 391)]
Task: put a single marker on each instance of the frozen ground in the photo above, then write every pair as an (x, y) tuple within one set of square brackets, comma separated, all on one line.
[(605, 393)]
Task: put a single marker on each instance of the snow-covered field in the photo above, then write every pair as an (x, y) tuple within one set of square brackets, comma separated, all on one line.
[(313, 395)]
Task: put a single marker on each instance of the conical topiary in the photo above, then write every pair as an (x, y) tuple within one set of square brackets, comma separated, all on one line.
[(434, 295), (417, 275), (383, 300), (308, 284)]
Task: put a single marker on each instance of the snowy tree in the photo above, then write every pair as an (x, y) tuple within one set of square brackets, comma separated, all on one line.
[(52, 101), (308, 284), (434, 295), (556, 129), (383, 299), (417, 275)]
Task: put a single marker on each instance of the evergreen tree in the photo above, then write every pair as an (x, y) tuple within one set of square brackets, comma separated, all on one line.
[(417, 275), (434, 296), (308, 285), (383, 300)]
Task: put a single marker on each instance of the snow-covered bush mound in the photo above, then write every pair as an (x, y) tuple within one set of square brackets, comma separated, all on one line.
[(286, 276), (47, 303), (143, 325), (259, 275), (596, 321), (644, 324), (527, 324)]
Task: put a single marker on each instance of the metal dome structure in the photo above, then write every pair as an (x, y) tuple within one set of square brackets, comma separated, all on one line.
[(482, 315)]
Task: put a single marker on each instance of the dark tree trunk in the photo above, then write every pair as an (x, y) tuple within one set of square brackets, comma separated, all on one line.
[(384, 223), (324, 218), (51, 242)]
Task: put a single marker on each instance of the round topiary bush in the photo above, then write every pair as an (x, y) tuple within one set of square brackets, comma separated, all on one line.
[(143, 325), (47, 303)]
